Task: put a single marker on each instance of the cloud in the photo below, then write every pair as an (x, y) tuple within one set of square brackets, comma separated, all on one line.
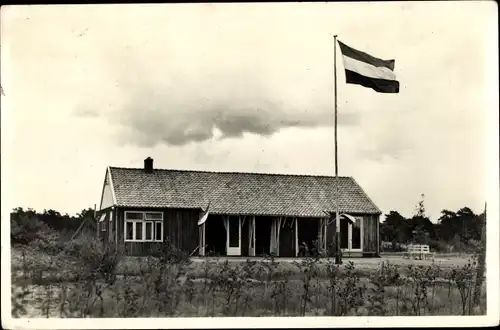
[(86, 113), (232, 81), (153, 113), (157, 122)]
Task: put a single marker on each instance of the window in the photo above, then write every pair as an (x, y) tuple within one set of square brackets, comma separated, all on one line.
[(159, 231), (143, 226), (134, 215), (129, 231), (148, 231), (154, 216), (138, 231), (101, 222)]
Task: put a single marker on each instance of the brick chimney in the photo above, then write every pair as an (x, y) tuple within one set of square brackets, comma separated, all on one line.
[(148, 165)]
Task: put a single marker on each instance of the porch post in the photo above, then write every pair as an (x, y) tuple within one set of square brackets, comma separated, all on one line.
[(296, 238), (325, 221), (226, 224), (115, 220), (320, 233), (250, 239), (272, 246), (278, 237), (202, 239), (239, 231), (253, 236)]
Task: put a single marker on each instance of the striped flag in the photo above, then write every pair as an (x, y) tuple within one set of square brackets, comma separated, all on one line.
[(346, 216), (349, 218), (368, 71), (204, 215)]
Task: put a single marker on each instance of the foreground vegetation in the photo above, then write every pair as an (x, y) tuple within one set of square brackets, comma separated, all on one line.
[(88, 279), (59, 269)]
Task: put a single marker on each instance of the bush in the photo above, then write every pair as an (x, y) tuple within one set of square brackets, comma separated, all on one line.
[(168, 285), (98, 260), (26, 228), (170, 254), (463, 278)]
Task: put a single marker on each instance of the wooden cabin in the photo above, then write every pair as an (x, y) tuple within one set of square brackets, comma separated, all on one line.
[(249, 214)]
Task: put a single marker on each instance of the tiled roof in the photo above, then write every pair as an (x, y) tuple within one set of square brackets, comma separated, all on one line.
[(239, 193)]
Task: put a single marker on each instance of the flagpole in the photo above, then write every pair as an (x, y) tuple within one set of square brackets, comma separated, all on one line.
[(338, 257)]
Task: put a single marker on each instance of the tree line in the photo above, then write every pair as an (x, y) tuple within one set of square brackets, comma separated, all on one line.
[(28, 226), (457, 231), (454, 231)]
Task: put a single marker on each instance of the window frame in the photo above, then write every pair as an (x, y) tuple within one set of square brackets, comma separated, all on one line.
[(143, 221), (152, 230), (161, 231), (102, 222)]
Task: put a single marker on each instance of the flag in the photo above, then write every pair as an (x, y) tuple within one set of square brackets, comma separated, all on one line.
[(368, 71), (204, 215), (349, 218)]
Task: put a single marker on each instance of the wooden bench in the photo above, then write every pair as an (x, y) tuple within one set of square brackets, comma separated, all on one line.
[(418, 250)]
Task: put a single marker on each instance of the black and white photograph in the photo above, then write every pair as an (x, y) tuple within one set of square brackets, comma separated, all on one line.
[(239, 165)]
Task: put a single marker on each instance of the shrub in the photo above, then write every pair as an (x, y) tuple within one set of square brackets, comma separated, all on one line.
[(385, 276), (333, 274), (26, 228), (463, 278), (309, 270), (350, 293), (281, 292), (249, 269)]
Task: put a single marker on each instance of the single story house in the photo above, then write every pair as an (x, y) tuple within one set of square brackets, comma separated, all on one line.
[(244, 214)]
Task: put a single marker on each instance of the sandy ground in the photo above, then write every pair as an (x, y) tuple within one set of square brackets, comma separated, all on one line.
[(365, 262)]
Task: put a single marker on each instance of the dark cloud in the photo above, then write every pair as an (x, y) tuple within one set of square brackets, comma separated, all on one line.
[(149, 118), (149, 125), (176, 107)]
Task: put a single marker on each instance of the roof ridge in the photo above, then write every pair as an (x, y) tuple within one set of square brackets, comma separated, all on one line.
[(232, 172)]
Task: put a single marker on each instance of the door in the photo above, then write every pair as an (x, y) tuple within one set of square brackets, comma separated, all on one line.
[(351, 235), (344, 233), (234, 236), (110, 231), (356, 236)]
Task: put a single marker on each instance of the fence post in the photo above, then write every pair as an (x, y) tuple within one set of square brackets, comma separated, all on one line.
[(481, 262)]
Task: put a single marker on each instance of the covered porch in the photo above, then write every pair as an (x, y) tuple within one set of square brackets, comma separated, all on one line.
[(281, 236)]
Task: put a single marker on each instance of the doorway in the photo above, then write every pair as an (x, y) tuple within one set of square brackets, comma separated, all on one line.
[(307, 235), (262, 236), (215, 236), (234, 236), (351, 234)]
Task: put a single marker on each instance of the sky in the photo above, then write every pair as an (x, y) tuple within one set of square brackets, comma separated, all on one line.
[(248, 88)]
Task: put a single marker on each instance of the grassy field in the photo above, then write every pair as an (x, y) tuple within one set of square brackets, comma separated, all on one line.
[(103, 285)]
